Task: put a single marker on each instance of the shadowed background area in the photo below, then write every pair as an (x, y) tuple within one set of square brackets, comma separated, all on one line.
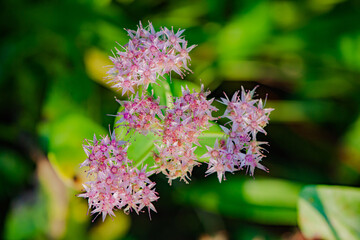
[(305, 57)]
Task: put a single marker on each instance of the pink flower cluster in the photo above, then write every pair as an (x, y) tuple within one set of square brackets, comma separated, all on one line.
[(240, 149), (148, 55), (141, 114), (182, 126), (115, 184)]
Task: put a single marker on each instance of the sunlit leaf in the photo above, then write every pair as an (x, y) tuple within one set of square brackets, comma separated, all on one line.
[(246, 31), (266, 201), (286, 14), (162, 90), (349, 47), (330, 212), (176, 85)]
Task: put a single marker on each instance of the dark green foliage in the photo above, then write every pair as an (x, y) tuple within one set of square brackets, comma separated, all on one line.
[(304, 54)]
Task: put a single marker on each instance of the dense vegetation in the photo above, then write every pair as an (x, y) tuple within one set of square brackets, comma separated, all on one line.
[(304, 54)]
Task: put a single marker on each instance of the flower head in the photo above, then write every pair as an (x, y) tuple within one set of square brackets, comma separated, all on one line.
[(115, 182), (148, 55), (248, 116), (141, 114), (183, 124)]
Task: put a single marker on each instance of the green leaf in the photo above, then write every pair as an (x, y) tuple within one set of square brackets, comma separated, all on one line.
[(245, 33), (141, 146), (176, 87), (349, 48), (266, 201), (162, 91), (66, 137), (329, 212), (141, 149)]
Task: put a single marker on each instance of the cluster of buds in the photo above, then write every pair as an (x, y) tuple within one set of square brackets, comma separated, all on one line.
[(240, 148), (115, 184), (183, 125), (148, 55)]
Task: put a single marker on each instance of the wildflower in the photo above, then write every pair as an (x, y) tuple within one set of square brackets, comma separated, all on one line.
[(116, 183), (182, 127), (220, 161), (141, 114), (247, 117), (147, 56)]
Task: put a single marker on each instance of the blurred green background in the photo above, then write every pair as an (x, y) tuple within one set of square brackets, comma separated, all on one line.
[(304, 54)]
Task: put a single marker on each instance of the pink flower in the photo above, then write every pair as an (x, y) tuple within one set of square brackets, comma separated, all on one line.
[(220, 161), (182, 127), (147, 56), (116, 183), (141, 114), (247, 117)]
